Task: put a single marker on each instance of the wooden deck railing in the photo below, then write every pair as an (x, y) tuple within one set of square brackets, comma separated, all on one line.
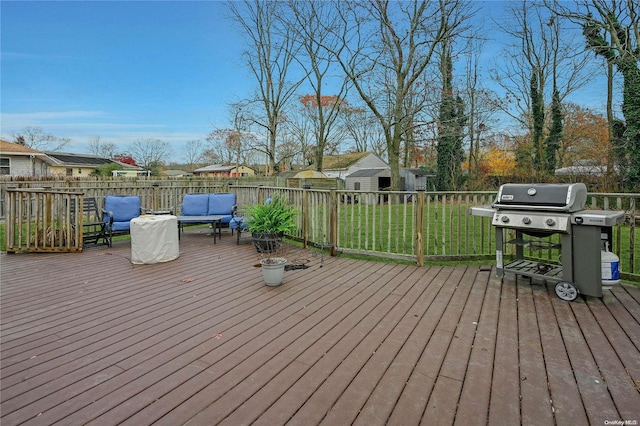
[(43, 220), (414, 226), (421, 226)]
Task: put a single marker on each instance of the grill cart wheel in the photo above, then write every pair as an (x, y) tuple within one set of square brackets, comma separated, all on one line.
[(566, 291)]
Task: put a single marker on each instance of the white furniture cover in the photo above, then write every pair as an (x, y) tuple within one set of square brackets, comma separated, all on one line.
[(154, 239)]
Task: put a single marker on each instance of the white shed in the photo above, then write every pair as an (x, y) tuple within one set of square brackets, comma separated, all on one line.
[(369, 180)]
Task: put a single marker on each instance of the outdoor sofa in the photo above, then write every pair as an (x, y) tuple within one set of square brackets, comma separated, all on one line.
[(203, 208)]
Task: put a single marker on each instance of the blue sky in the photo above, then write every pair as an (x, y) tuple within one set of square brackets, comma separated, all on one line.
[(125, 70), (119, 70)]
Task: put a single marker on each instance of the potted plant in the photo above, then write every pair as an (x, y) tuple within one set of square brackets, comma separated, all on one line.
[(268, 223)]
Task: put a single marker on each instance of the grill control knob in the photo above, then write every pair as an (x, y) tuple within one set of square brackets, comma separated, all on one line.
[(504, 219), (526, 220), (550, 222)]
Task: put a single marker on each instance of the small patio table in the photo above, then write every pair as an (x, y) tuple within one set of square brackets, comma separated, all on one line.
[(215, 221)]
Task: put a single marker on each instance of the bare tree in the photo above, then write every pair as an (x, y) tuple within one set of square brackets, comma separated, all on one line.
[(363, 130), (384, 51), (193, 153), (544, 61), (309, 22), (36, 138), (222, 145), (481, 104), (270, 52), (231, 145), (102, 148), (301, 132), (149, 152)]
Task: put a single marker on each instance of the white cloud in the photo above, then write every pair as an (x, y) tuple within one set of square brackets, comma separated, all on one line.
[(82, 126), (43, 118)]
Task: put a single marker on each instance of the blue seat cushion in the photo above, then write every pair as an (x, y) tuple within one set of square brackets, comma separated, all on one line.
[(238, 222), (195, 205), (121, 226)]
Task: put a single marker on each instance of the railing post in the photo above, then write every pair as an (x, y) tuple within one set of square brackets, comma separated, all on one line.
[(419, 215), (632, 235), (305, 217), (333, 221)]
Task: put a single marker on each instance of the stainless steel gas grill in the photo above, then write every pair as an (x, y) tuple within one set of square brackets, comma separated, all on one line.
[(534, 213)]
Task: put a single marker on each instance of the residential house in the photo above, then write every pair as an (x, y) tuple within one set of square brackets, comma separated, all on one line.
[(78, 165), (19, 160), (219, 170), (341, 166)]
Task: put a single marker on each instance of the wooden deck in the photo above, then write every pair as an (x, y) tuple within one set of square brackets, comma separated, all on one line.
[(88, 338)]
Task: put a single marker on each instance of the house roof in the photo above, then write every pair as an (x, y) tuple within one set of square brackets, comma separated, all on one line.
[(214, 168), (9, 148), (343, 161), (217, 168), (175, 173), (68, 159)]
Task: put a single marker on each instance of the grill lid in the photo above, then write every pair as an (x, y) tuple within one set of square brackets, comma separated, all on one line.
[(568, 197)]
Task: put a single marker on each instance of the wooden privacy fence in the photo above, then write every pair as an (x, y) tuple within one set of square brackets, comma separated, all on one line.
[(413, 226), (154, 193)]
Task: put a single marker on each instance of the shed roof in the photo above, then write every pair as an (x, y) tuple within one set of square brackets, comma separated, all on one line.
[(369, 173)]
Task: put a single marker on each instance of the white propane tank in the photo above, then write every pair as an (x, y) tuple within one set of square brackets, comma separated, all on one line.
[(610, 267)]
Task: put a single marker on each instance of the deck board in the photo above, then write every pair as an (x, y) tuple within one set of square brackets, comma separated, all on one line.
[(504, 405), (535, 402), (473, 405), (567, 407), (89, 338)]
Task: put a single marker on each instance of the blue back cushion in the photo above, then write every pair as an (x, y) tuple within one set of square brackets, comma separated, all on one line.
[(195, 205), (221, 204), (124, 208)]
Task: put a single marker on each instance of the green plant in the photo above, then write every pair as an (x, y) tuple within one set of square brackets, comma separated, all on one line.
[(276, 216)]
